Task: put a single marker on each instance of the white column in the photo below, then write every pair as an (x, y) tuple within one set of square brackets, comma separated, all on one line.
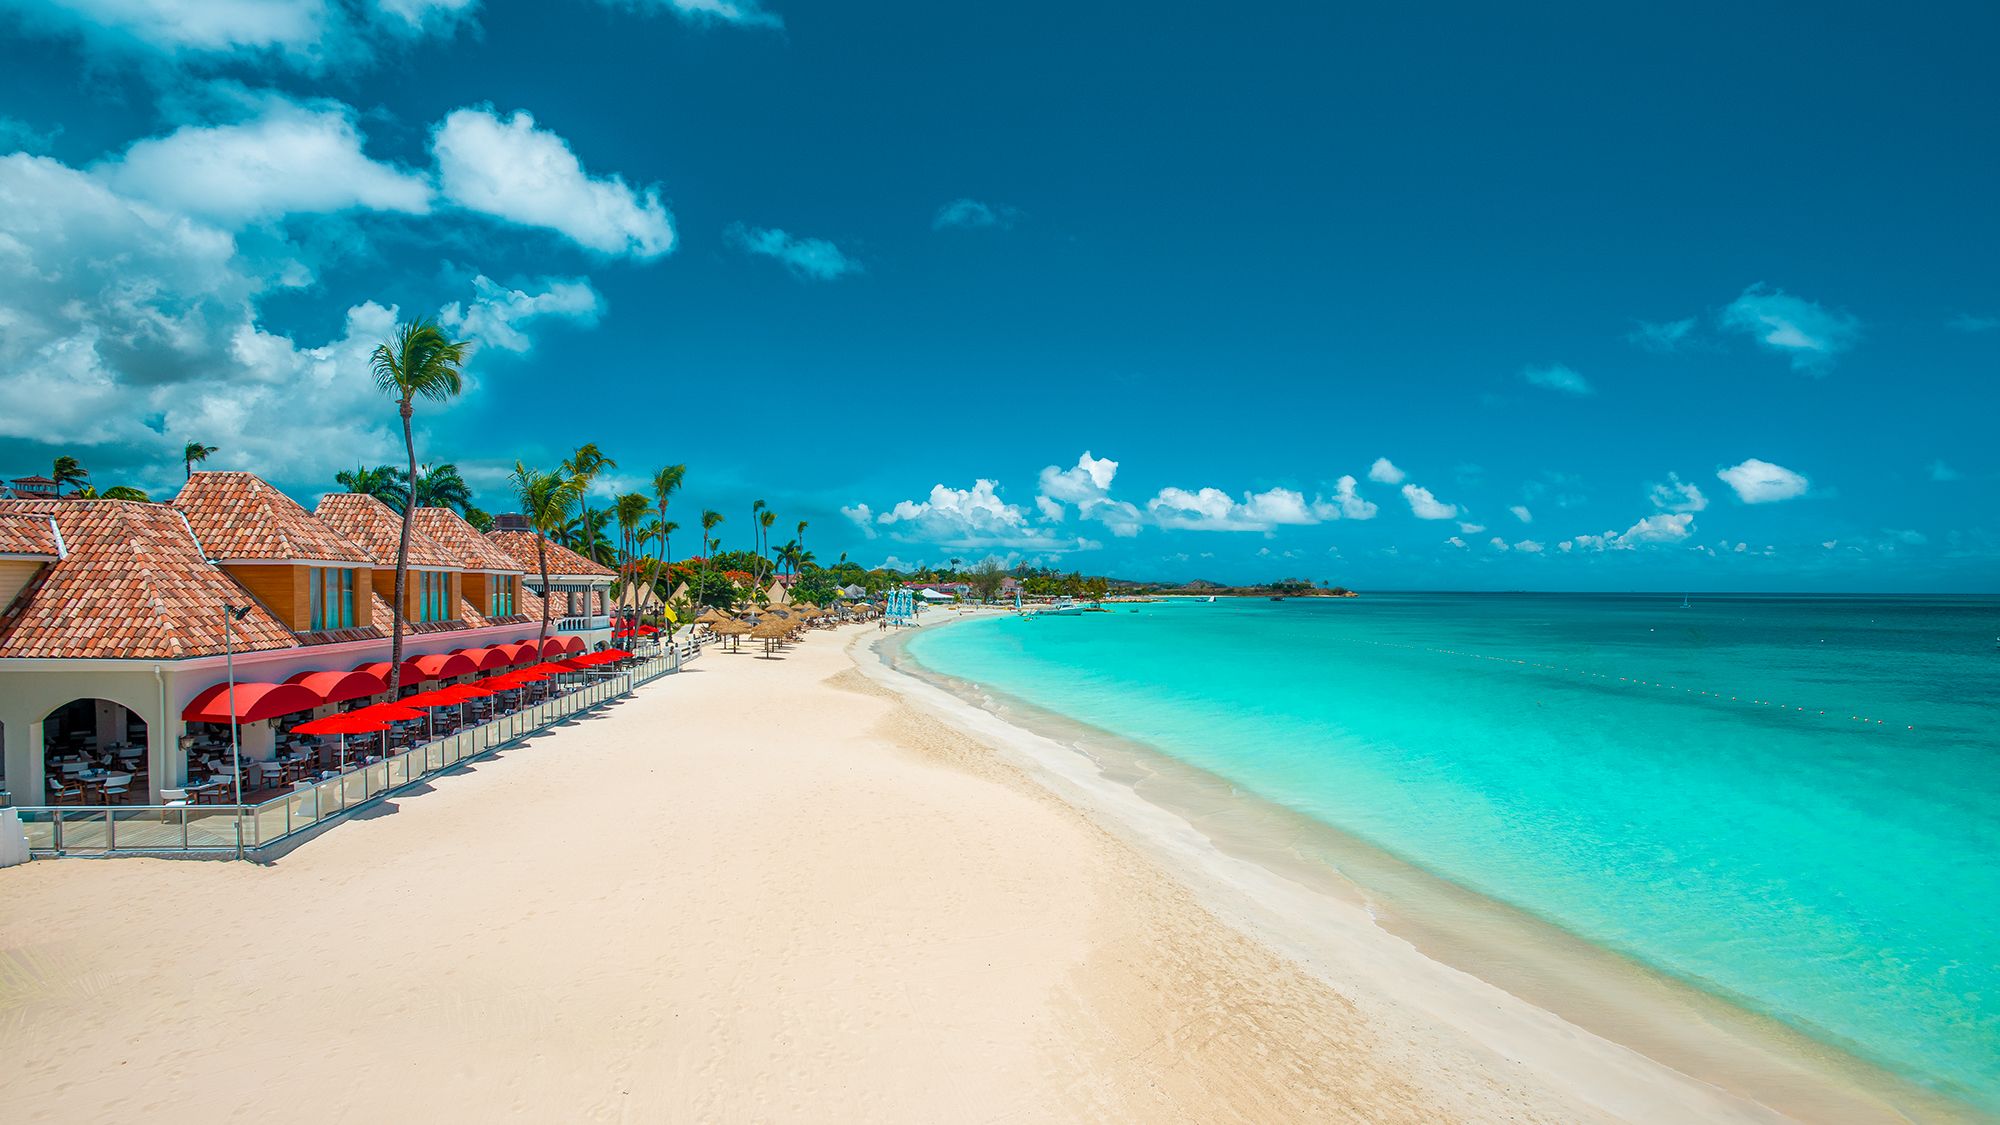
[(25, 762), (166, 762)]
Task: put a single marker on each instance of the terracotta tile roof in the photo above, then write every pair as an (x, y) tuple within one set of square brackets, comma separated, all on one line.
[(472, 617), (530, 605), (378, 529), (134, 584), (23, 534), (239, 516), (562, 560), (473, 550)]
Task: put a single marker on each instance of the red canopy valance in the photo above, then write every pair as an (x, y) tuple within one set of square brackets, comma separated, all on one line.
[(339, 687), (253, 701)]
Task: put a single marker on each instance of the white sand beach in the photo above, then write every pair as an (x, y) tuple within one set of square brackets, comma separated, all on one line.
[(761, 890)]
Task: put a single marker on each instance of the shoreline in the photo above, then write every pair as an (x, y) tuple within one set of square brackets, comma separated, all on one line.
[(1322, 897)]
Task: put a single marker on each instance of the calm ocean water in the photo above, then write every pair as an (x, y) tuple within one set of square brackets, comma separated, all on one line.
[(1793, 803)]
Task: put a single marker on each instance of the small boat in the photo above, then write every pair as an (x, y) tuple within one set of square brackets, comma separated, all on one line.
[(1685, 604)]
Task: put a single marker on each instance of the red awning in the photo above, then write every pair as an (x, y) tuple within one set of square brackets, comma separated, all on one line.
[(485, 659), (572, 643), (339, 687), (378, 669), (253, 702), (551, 647), (445, 665)]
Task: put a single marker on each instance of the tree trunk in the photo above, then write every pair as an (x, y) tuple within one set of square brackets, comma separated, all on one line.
[(542, 558), (402, 560)]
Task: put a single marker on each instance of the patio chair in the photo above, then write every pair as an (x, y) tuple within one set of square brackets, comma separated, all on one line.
[(60, 790), (115, 788)]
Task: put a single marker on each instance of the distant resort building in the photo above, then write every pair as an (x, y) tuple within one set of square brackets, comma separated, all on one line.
[(112, 617)]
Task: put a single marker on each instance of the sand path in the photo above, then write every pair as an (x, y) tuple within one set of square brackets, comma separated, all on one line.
[(758, 890)]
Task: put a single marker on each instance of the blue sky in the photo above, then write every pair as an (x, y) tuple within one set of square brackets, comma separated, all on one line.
[(1700, 297)]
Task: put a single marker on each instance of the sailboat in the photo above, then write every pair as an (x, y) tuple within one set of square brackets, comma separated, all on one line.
[(1685, 604)]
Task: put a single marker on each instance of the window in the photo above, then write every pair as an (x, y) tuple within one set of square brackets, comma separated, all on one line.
[(331, 600), (434, 595), (503, 596)]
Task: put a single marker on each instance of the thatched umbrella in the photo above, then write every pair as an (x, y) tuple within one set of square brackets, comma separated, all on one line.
[(771, 631), (713, 617), (730, 628)]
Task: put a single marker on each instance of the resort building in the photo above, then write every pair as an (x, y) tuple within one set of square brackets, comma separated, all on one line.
[(579, 590), (120, 621)]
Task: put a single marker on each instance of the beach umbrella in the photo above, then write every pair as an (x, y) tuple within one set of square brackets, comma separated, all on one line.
[(771, 632), (343, 724), (730, 628), (713, 617), (390, 713)]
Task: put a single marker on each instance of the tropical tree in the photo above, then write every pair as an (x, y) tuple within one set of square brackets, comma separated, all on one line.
[(800, 534), (440, 486), (585, 532), (764, 522), (709, 519), (420, 361), (629, 508), (666, 482), (194, 453), (586, 465), (68, 470), (384, 482), (124, 492), (479, 519), (545, 502)]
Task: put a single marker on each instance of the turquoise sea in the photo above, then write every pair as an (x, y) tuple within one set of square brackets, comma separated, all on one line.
[(1792, 803)]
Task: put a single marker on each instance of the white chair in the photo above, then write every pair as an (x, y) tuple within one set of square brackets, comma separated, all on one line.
[(175, 798), (116, 786)]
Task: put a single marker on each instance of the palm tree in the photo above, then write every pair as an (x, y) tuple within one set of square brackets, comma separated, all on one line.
[(68, 470), (586, 465), (708, 521), (440, 486), (584, 533), (800, 534), (630, 509), (545, 502), (764, 523), (666, 482), (664, 532), (384, 482), (193, 453), (124, 492), (420, 361)]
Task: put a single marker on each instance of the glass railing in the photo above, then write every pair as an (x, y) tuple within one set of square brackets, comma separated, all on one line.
[(214, 829)]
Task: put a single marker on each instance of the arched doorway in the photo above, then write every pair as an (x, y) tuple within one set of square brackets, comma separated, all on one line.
[(94, 753)]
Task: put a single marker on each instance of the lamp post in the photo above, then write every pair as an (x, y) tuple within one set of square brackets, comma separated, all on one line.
[(230, 615)]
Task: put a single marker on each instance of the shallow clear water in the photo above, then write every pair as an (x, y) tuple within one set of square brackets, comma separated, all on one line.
[(1816, 838)]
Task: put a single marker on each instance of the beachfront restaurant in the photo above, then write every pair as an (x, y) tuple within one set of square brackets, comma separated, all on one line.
[(132, 634)]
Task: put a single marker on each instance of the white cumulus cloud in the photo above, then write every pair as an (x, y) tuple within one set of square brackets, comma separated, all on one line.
[(287, 157), (815, 259), (511, 170), (1557, 377), (1384, 471), (972, 518), (1677, 495), (497, 314), (1211, 509), (1425, 506), (1348, 503), (1761, 482), (1810, 334), (1087, 485), (1522, 513)]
